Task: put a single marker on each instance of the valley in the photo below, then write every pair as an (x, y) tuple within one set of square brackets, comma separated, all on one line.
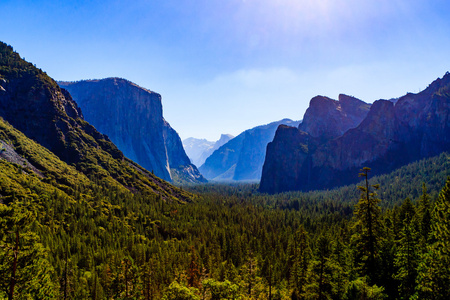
[(114, 209)]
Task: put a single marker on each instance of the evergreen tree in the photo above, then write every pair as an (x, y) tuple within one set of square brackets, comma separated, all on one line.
[(368, 229), (26, 271), (177, 291), (434, 269), (387, 254), (301, 255), (424, 218), (219, 290), (193, 272), (406, 258), (360, 289), (321, 284)]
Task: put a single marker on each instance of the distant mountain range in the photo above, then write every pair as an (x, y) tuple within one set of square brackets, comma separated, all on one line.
[(338, 138), (198, 150), (48, 134), (242, 158), (132, 118)]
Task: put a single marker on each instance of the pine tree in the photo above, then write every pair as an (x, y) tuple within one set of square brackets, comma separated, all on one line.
[(26, 271), (193, 272), (177, 291), (267, 270), (300, 261), (368, 229), (434, 268), (220, 289), (424, 218), (322, 269), (406, 258)]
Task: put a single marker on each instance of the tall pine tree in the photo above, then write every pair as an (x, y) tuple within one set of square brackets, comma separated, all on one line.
[(367, 229), (434, 269)]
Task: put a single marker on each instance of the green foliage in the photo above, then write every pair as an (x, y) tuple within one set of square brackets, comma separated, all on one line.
[(368, 229), (323, 272), (13, 66), (300, 255), (218, 290), (360, 289), (26, 270), (176, 291), (406, 258), (88, 237), (91, 224), (72, 139), (434, 268)]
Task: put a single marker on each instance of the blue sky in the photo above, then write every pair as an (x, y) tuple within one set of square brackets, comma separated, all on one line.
[(224, 66)]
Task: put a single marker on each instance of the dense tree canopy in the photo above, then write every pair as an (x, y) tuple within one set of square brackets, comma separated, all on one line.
[(230, 243)]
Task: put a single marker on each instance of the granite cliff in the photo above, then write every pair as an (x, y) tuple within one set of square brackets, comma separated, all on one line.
[(326, 118), (132, 117), (327, 154), (44, 115), (242, 157)]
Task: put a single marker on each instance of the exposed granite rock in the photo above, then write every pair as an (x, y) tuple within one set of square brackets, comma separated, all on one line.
[(293, 166), (8, 153), (327, 118), (392, 134), (132, 118)]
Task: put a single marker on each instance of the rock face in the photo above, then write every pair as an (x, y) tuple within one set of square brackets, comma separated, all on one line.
[(327, 118), (39, 109), (391, 134), (198, 150), (242, 157), (132, 118)]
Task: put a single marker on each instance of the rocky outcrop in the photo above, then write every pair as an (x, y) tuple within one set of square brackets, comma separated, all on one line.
[(242, 158), (39, 109), (34, 104), (327, 118), (198, 150), (392, 134), (293, 166), (132, 117)]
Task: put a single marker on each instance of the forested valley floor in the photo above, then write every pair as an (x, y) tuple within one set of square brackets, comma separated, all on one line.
[(385, 238)]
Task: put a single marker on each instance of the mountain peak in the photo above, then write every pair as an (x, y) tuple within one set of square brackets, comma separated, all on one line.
[(223, 139), (350, 134), (327, 118)]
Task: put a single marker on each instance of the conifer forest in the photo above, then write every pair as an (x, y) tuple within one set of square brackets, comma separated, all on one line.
[(224, 150), (385, 238)]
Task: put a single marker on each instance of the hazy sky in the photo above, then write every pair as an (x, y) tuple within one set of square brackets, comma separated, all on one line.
[(224, 66)]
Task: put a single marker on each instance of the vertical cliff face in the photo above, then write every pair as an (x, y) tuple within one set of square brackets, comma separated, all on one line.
[(132, 118), (390, 135), (294, 163)]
